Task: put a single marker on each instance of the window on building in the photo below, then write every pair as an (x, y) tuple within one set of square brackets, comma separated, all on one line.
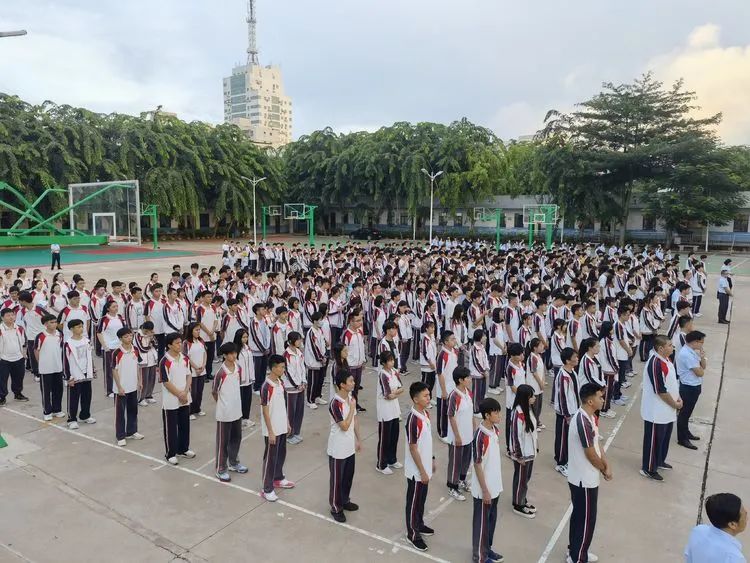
[(605, 227), (518, 220), (204, 221), (443, 219), (405, 220), (740, 223), (165, 222), (391, 218), (649, 223), (458, 220)]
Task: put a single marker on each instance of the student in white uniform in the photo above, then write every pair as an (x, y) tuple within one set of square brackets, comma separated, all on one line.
[(78, 371), (659, 406), (388, 414), (343, 443), (275, 428), (126, 381), (486, 481), (226, 392), (48, 351), (419, 465), (523, 447), (174, 376), (586, 464), (195, 350), (460, 428)]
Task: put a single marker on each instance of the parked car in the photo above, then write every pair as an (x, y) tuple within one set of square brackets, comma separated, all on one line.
[(366, 233)]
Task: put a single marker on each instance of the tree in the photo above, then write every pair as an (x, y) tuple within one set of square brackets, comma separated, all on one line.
[(704, 187), (629, 135)]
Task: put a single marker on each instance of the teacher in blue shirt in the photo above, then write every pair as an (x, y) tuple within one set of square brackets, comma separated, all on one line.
[(717, 543), (691, 367)]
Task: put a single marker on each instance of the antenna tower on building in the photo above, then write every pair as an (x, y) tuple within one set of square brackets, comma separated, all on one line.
[(252, 45)]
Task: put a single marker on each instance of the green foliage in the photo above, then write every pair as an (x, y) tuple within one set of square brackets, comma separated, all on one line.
[(182, 167), (639, 136)]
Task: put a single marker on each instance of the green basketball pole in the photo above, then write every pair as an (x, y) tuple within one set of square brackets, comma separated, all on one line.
[(311, 224)]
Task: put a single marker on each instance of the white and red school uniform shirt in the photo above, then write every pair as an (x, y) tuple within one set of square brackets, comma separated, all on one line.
[(341, 443), (108, 327), (447, 361), (272, 395), (12, 342), (479, 364), (71, 313), (485, 450), (354, 340), (279, 334), (175, 371), (659, 376), (419, 432), (146, 346), (565, 391), (196, 353), (77, 360), (227, 387), (388, 382), (315, 348), (523, 444), (126, 363), (32, 321), (174, 317), (154, 310), (514, 376), (294, 371), (461, 407), (49, 347)]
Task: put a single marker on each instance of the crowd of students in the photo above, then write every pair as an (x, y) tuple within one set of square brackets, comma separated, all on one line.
[(290, 324)]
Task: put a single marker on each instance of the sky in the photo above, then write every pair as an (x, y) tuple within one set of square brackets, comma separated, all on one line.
[(362, 64)]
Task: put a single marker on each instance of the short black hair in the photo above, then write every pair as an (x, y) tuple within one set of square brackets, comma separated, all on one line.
[(694, 335), (124, 331), (515, 349), (386, 355), (47, 318), (275, 360), (566, 354), (723, 508), (228, 348), (489, 405), (340, 378), (460, 373), (74, 323), (416, 388), (589, 390), (171, 337)]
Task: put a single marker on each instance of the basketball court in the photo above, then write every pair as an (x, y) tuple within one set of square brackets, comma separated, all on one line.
[(89, 500)]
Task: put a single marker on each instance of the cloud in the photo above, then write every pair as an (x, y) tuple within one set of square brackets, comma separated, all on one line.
[(720, 76)]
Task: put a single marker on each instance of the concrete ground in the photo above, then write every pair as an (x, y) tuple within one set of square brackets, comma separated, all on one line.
[(75, 496)]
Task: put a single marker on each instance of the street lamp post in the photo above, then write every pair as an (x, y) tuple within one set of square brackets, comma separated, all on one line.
[(254, 181), (432, 177)]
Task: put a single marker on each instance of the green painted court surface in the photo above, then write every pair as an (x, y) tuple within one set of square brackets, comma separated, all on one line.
[(29, 257)]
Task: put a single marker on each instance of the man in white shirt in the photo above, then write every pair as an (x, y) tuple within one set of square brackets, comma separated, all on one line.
[(55, 250), (691, 367), (586, 463), (659, 406), (723, 293)]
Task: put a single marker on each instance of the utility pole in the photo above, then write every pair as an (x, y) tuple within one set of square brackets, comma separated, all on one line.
[(254, 181), (432, 177)]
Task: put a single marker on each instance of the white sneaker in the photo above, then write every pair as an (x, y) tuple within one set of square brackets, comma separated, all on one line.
[(562, 469), (256, 393), (433, 402), (386, 471), (150, 401), (593, 557), (47, 417), (444, 440), (143, 403), (625, 385), (37, 379), (397, 465), (201, 413), (697, 316), (608, 414), (192, 417), (111, 396), (136, 436), (60, 415), (121, 443), (312, 406), (73, 425), (453, 493), (620, 402), (320, 401), (292, 440), (299, 438), (270, 497), (90, 420), (190, 454), (245, 423), (172, 460)]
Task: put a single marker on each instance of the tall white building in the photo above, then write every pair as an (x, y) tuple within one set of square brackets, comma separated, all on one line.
[(254, 97)]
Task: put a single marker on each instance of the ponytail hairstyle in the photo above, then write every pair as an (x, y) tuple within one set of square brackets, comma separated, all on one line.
[(523, 395), (586, 345)]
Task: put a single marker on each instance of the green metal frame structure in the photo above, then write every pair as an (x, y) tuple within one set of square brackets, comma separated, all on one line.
[(498, 216), (42, 230), (152, 211), (550, 219)]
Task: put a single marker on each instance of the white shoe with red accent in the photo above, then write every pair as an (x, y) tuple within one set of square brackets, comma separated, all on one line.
[(270, 497), (284, 484)]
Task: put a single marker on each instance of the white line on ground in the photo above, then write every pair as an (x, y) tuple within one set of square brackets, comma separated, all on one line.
[(21, 556), (367, 533), (566, 517), (213, 459)]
